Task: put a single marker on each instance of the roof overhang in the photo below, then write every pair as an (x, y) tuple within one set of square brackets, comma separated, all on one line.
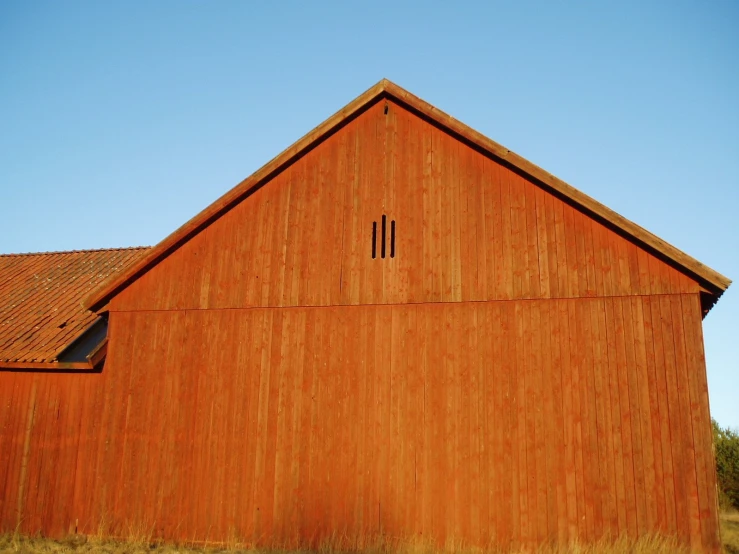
[(711, 281), (86, 352)]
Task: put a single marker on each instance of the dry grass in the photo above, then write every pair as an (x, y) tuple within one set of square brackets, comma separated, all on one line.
[(140, 543), (730, 532)]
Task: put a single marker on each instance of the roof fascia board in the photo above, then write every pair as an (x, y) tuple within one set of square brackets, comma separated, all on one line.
[(47, 366), (97, 356), (682, 261)]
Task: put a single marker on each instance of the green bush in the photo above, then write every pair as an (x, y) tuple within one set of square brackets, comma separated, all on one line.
[(727, 466)]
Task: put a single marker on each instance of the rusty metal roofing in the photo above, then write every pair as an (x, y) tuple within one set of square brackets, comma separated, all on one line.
[(41, 296)]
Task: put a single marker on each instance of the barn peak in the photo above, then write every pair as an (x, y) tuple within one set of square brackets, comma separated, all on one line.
[(712, 283)]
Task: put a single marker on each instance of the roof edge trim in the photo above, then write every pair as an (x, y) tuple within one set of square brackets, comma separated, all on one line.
[(682, 261), (48, 366)]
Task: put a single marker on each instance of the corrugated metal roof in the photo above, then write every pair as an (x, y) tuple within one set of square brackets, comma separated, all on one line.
[(41, 296)]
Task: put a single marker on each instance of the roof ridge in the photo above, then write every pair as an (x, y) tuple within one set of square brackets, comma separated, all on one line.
[(84, 250)]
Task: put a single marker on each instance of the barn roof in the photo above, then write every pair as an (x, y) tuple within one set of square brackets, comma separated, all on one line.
[(41, 294), (712, 282)]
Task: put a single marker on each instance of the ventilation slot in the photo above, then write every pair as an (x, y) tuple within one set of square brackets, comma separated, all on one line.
[(383, 238), (384, 226), (374, 239), (392, 239)]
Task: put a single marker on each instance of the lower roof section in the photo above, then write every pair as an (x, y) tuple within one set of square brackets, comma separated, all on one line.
[(41, 294)]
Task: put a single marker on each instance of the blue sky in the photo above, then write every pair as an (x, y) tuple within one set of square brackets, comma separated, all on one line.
[(118, 122)]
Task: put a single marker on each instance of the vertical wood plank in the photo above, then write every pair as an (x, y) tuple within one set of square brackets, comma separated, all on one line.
[(645, 416), (702, 431), (576, 359), (688, 475), (606, 483), (668, 482), (626, 418), (637, 440), (676, 443), (533, 265), (526, 460), (569, 417), (542, 243), (656, 419)]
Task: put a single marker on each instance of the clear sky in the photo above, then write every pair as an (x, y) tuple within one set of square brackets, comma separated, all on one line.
[(119, 122)]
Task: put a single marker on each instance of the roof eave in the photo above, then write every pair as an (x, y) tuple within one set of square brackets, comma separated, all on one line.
[(49, 366)]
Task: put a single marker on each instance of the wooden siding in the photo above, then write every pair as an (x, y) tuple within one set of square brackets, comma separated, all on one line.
[(518, 373), (468, 228), (515, 422)]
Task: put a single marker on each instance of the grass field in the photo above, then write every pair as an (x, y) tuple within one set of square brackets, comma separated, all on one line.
[(730, 532), (140, 545)]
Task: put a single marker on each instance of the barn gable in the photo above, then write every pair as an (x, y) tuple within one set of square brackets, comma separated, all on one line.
[(464, 219)]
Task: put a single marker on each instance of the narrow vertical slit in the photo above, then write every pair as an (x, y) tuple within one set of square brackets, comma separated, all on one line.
[(392, 238), (384, 226), (374, 239)]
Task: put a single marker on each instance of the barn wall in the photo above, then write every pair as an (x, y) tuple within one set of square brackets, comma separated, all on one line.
[(515, 422), (468, 228)]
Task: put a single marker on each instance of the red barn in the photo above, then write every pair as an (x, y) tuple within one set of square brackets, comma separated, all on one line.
[(396, 327)]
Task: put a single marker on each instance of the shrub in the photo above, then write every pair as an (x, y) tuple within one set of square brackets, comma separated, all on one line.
[(726, 442)]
